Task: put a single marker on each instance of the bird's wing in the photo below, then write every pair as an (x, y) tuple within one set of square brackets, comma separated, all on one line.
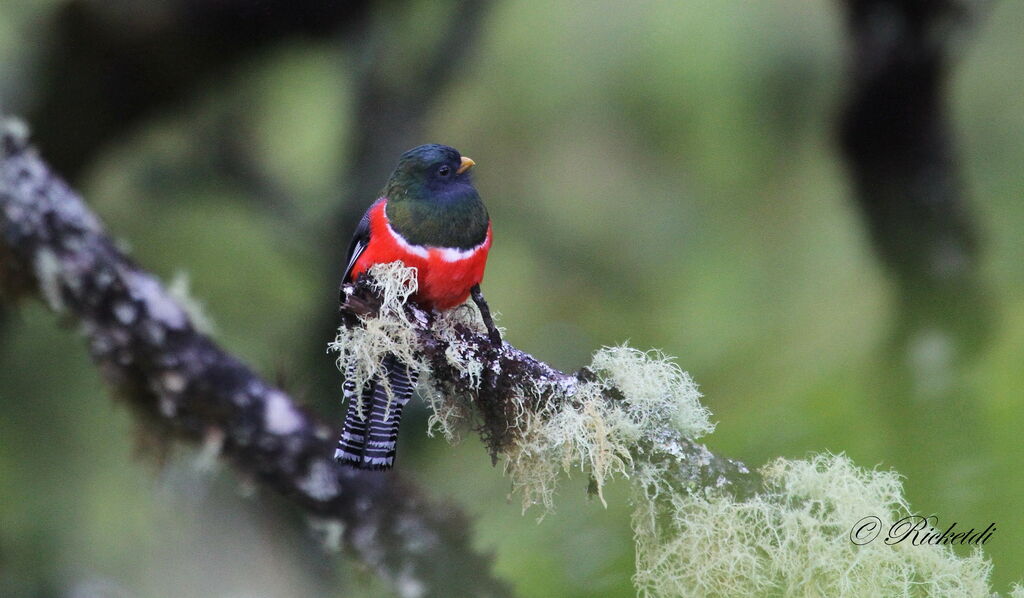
[(360, 239)]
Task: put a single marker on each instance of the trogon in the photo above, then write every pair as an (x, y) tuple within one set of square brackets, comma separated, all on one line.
[(430, 217)]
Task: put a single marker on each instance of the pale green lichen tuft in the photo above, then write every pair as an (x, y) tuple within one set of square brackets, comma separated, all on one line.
[(450, 406), (448, 416), (180, 289), (362, 349), (587, 433), (595, 426), (793, 539), (459, 354), (656, 391), (49, 273)]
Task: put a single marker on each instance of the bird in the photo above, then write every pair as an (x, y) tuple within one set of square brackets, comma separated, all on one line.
[(429, 216)]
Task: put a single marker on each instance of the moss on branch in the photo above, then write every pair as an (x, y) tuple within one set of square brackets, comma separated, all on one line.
[(627, 406), (704, 525)]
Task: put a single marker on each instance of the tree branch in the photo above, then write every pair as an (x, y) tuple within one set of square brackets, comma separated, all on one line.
[(513, 393), (899, 146), (145, 345), (897, 138)]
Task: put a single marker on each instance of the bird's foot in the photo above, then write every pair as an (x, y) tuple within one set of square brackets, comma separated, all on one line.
[(492, 331)]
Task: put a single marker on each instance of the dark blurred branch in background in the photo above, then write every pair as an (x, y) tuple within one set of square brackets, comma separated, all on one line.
[(106, 68), (900, 149), (896, 135), (180, 381)]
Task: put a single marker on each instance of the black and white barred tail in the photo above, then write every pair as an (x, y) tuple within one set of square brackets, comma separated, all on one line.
[(370, 434)]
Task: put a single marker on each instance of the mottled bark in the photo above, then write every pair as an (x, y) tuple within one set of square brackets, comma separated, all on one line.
[(53, 247)]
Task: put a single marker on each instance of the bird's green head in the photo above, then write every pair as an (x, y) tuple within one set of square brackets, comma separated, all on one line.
[(432, 200), (430, 172)]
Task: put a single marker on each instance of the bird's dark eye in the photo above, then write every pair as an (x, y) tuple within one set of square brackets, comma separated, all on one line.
[(444, 171)]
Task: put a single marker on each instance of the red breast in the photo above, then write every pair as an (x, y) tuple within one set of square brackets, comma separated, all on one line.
[(445, 274)]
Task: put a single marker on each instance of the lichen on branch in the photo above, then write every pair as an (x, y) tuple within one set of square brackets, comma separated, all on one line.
[(537, 420), (703, 525), (796, 537)]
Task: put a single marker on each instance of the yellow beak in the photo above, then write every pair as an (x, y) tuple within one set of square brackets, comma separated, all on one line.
[(467, 163)]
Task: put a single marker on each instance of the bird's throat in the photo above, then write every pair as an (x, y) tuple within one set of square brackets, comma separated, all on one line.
[(458, 222)]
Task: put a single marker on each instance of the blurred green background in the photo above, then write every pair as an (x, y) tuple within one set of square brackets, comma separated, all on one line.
[(665, 175)]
